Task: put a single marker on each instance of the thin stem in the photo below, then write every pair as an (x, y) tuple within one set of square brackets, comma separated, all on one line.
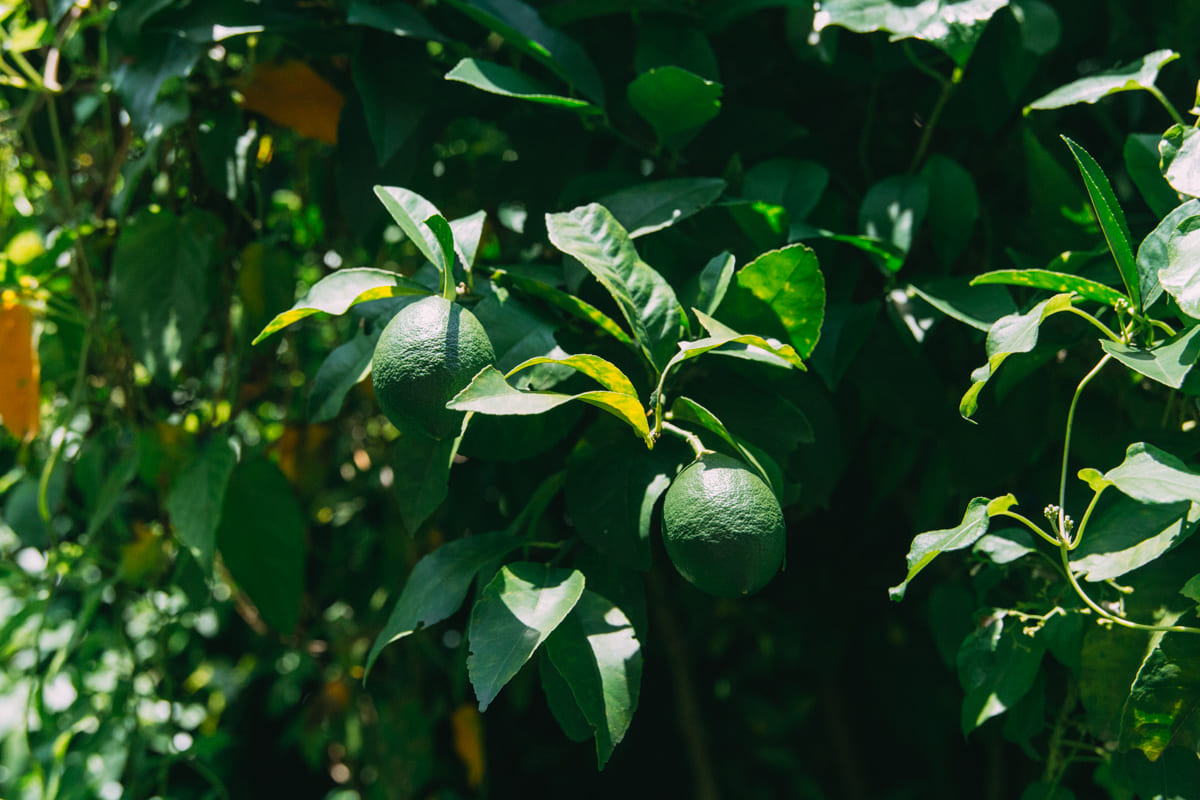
[(934, 116), (1086, 516), (1164, 327), (692, 439), (1079, 312), (1033, 526), (1062, 481), (1167, 104), (921, 65), (1064, 553)]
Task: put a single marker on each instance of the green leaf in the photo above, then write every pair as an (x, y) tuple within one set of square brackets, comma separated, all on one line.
[(393, 111), (1172, 776), (515, 613), (1151, 475), (675, 102), (598, 369), (649, 207), (794, 184), (115, 454), (421, 468), (597, 652), (562, 703), (348, 364), (1016, 333), (1005, 547), (1180, 159), (1169, 363), (647, 302), (399, 20), (261, 539), (1142, 164), (1164, 702), (787, 284), (569, 303), (438, 585), (997, 666), (1191, 589), (927, 546), (411, 212), (1123, 535), (684, 409), (1055, 282), (162, 266), (338, 292), (977, 306), (1111, 219), (952, 27), (1180, 278), (468, 231), (844, 331), (1136, 75), (197, 497), (523, 28), (726, 341), (892, 211), (1109, 662), (953, 206), (506, 81), (669, 40), (1154, 256), (708, 289), (490, 393)]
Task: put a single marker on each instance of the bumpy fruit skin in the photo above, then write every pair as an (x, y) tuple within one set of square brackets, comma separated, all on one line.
[(723, 527), (427, 354)]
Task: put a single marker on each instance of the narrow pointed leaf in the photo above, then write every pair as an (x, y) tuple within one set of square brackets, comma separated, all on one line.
[(410, 210), (977, 306), (708, 289), (1055, 282), (928, 546), (517, 610), (727, 341), (468, 231), (506, 81), (1136, 75), (1169, 363), (438, 585)]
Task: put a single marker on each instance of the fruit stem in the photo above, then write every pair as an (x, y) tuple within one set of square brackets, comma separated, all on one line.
[(692, 439)]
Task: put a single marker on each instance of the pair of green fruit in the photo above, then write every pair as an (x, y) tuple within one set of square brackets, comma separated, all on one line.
[(722, 526)]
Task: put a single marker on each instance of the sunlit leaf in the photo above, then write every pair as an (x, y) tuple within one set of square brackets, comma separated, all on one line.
[(1055, 282), (952, 27), (675, 102), (1154, 256), (1123, 535), (649, 207), (927, 546), (497, 79), (997, 665), (1168, 363), (1136, 75)]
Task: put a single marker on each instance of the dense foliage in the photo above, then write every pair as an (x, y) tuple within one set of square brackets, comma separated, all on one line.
[(785, 232)]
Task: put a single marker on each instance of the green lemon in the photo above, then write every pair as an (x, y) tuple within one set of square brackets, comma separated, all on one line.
[(427, 354), (723, 527)]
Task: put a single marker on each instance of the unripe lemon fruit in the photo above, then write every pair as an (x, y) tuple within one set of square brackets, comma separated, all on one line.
[(427, 354), (723, 527)]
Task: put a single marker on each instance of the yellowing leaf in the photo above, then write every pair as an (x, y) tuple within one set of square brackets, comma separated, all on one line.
[(468, 741), (292, 95), (20, 390)]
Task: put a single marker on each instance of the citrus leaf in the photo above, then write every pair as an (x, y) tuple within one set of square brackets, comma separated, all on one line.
[(1151, 475), (789, 283), (1179, 149), (490, 393), (953, 206), (20, 370), (597, 652), (410, 211), (1124, 534), (727, 341), (468, 231), (1155, 255), (421, 469), (341, 370), (515, 613), (952, 27), (997, 666), (675, 102), (1055, 282), (197, 497), (1015, 333), (562, 703), (603, 372), (1169, 363), (577, 308), (977, 306), (649, 207), (684, 409), (1111, 219), (437, 586), (927, 546), (497, 79), (593, 236), (794, 184), (261, 539), (337, 292), (1135, 75), (708, 289), (522, 27)]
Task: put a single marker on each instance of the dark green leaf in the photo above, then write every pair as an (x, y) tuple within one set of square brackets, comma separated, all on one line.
[(1164, 703), (1172, 776), (844, 331), (649, 207), (1110, 659), (1142, 164), (1055, 282), (591, 235), (261, 538), (675, 102), (1180, 152), (197, 497), (708, 289), (438, 585), (980, 307), (1136, 75), (497, 79), (521, 606), (348, 364), (400, 20), (567, 302), (953, 206), (118, 454), (1169, 363), (892, 211), (669, 41), (685, 409), (1123, 535), (468, 231), (596, 650), (927, 546), (562, 703), (160, 285), (393, 112), (1111, 218), (421, 466), (1155, 254), (793, 183), (997, 665)]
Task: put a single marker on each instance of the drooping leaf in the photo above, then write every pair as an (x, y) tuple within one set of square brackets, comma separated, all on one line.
[(997, 665), (1111, 218), (338, 292), (892, 211), (952, 27), (506, 81), (597, 652), (490, 393), (261, 539), (927, 546), (1179, 151), (197, 498), (1016, 333), (1164, 702), (1004, 547), (675, 102), (1135, 75), (1142, 164), (1180, 278), (977, 306), (591, 235), (438, 585), (1123, 535), (1055, 282), (515, 613), (523, 28), (785, 282), (421, 468), (1169, 363), (649, 207), (163, 310), (953, 206), (1151, 475)]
